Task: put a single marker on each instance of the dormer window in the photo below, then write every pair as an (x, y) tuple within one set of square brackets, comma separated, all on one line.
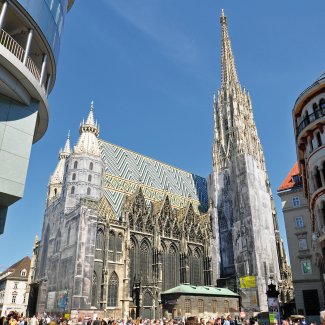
[(23, 272), (296, 178)]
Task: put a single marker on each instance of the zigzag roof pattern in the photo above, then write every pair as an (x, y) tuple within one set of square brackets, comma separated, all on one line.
[(126, 170)]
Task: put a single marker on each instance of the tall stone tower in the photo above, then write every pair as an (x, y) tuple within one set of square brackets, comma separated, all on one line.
[(243, 239)]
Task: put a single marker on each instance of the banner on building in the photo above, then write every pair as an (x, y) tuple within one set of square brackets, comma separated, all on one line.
[(247, 282), (50, 302), (63, 299), (274, 310)]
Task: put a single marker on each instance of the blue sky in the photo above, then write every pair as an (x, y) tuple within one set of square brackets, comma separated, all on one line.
[(152, 66)]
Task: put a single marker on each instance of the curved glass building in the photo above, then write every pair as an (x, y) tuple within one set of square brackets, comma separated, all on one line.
[(30, 39)]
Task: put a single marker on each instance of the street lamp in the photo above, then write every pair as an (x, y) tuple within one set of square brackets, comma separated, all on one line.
[(273, 304)]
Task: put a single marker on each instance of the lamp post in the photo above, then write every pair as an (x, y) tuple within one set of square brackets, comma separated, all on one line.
[(273, 304)]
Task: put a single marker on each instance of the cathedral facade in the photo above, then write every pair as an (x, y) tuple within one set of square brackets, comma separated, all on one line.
[(119, 229), (243, 214)]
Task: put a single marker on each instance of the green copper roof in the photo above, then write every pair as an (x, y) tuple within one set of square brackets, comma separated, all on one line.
[(199, 290)]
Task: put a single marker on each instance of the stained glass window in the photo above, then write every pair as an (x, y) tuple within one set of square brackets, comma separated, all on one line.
[(112, 290)]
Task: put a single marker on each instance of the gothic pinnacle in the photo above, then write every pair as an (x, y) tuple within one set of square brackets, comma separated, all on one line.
[(228, 68)]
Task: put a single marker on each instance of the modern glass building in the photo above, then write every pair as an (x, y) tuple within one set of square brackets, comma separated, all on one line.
[(30, 38)]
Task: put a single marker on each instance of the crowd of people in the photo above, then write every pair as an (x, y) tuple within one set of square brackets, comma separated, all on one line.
[(14, 318)]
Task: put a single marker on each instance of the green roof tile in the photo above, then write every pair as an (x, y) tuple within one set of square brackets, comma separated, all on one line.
[(200, 290)]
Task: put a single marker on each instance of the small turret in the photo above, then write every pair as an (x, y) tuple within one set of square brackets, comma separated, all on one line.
[(55, 182), (89, 131), (84, 168)]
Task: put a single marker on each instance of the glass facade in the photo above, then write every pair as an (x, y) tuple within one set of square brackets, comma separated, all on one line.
[(49, 15)]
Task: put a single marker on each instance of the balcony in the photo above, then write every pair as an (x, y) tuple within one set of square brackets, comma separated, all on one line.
[(318, 114), (11, 45)]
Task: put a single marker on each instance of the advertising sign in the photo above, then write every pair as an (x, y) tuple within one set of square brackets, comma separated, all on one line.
[(247, 282), (63, 299), (50, 300), (274, 310)]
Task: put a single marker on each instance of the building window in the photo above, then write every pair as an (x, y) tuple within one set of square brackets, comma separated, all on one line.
[(319, 139), (89, 178), (214, 306), (299, 222), (73, 176), (296, 201), (15, 285), (306, 267), (23, 272), (112, 290), (88, 191), (75, 165), (94, 291), (187, 305), (200, 305), (72, 190), (100, 239), (322, 105), (14, 297), (302, 244), (91, 166), (226, 306)]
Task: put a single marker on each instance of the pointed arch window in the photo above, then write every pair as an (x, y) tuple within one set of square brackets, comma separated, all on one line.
[(55, 191), (171, 268), (111, 246), (91, 166), (75, 165), (133, 266), (94, 291), (176, 232), (119, 239), (72, 190), (146, 264), (112, 290), (74, 176), (88, 191), (100, 239), (196, 267)]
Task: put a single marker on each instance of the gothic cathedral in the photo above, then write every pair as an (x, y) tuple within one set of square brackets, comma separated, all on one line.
[(121, 228)]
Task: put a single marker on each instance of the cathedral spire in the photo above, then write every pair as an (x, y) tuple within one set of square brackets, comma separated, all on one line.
[(56, 179), (89, 131), (228, 68), (65, 153)]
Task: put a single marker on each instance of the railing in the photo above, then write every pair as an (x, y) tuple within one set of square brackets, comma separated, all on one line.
[(319, 113), (11, 45)]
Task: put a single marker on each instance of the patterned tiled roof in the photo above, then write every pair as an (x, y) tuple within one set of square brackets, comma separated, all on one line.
[(127, 170), (289, 182)]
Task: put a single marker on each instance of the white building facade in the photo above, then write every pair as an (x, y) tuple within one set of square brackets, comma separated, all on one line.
[(13, 287)]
